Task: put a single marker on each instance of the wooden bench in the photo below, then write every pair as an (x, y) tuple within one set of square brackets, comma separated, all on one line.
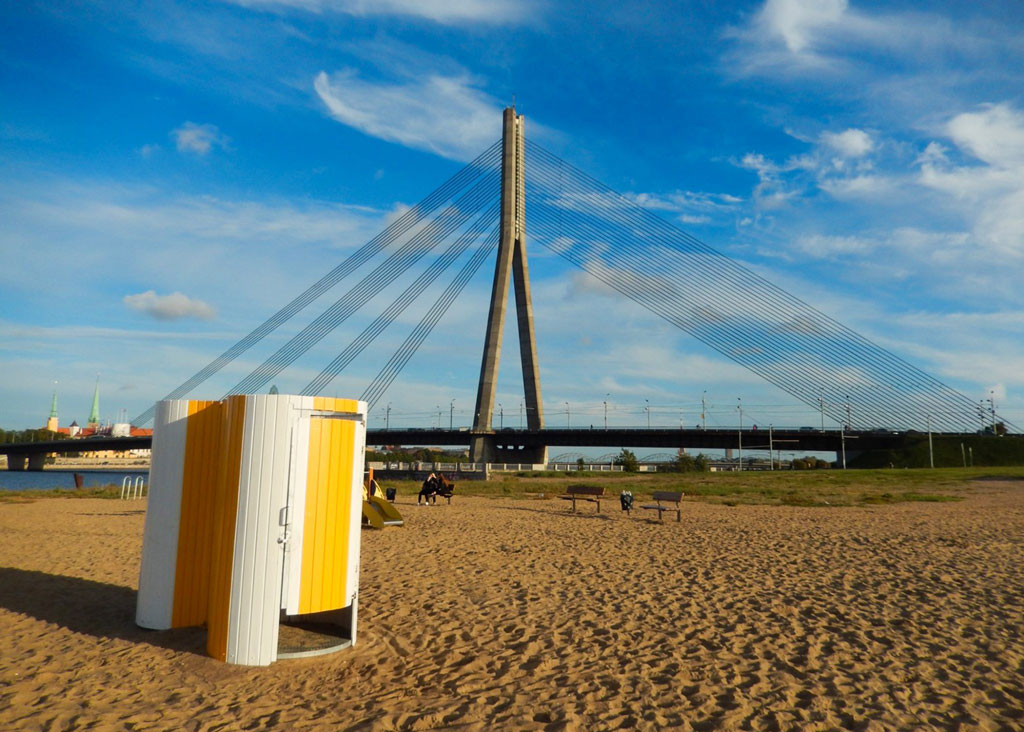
[(665, 501), (584, 493)]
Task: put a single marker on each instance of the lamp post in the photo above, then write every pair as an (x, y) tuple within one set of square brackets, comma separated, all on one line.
[(647, 408), (740, 433), (501, 416), (438, 408), (567, 415), (387, 417), (704, 411), (451, 415), (520, 414), (992, 404), (606, 409), (931, 453)]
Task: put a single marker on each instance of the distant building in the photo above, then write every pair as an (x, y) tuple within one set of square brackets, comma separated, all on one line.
[(94, 429)]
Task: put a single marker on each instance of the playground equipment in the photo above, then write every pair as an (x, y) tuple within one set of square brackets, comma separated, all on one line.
[(252, 526), (133, 489), (378, 512)]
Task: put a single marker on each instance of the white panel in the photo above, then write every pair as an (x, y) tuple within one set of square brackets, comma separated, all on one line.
[(155, 604), (256, 574), (355, 526), (298, 475)]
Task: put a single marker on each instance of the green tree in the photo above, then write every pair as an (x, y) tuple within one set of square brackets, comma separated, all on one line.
[(628, 461), (685, 463)]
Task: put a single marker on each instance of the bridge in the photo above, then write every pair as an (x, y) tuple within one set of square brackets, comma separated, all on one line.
[(523, 442), (482, 210)]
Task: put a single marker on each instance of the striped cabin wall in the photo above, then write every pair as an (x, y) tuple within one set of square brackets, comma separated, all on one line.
[(260, 511)]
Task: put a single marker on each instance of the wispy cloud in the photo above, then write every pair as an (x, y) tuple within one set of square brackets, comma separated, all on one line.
[(447, 12), (446, 115), (989, 185), (169, 307), (198, 139)]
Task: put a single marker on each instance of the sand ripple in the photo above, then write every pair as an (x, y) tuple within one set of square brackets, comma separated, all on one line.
[(515, 614)]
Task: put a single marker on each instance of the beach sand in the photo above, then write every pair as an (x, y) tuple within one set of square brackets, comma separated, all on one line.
[(517, 615)]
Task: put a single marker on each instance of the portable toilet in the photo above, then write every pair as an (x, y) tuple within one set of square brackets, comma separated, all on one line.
[(253, 524)]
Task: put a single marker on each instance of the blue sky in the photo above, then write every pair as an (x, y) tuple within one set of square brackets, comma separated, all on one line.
[(172, 173)]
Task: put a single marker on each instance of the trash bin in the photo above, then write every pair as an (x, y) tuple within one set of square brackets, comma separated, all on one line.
[(390, 493), (626, 499)]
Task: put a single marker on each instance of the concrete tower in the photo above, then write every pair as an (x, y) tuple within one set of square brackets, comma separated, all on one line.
[(51, 423), (512, 263), (94, 413)]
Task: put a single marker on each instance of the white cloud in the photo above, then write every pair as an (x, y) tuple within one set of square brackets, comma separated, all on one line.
[(991, 195), (796, 22), (446, 115), (198, 139), (850, 143), (994, 134), (447, 12), (169, 307)]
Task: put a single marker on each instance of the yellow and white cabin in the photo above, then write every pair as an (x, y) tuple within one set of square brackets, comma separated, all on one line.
[(254, 517)]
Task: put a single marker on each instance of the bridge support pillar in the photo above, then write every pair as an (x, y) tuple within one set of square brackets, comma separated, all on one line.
[(511, 265), (17, 462)]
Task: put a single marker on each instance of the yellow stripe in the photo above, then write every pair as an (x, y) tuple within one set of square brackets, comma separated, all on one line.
[(328, 513), (201, 462), (225, 514)]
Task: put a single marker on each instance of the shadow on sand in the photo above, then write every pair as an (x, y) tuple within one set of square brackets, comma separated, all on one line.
[(93, 608)]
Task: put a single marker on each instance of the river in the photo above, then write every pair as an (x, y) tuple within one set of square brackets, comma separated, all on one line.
[(49, 479)]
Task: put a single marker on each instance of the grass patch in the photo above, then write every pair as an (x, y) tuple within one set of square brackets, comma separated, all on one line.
[(825, 488), (106, 491)]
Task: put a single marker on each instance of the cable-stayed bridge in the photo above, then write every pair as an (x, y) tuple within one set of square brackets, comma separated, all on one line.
[(517, 191)]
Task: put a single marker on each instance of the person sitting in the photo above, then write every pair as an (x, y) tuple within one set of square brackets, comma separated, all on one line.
[(428, 491), (445, 488)]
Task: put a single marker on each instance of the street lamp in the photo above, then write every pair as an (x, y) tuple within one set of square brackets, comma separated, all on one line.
[(647, 408), (387, 417), (992, 404), (704, 411), (501, 416), (567, 415), (606, 409), (438, 408), (520, 414), (740, 433), (451, 415), (821, 406)]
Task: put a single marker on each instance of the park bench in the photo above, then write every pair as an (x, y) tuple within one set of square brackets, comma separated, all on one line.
[(584, 493), (667, 501)]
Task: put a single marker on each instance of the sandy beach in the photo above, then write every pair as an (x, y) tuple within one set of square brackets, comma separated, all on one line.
[(499, 613)]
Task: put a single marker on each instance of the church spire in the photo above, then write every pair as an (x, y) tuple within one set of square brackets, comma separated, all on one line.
[(94, 413), (51, 423)]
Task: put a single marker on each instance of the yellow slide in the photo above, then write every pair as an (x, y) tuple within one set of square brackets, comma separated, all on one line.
[(378, 512)]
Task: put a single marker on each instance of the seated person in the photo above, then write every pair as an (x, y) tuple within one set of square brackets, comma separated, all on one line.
[(445, 488), (428, 491)]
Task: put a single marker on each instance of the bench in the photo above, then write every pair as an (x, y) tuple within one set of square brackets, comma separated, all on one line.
[(584, 493), (665, 501)]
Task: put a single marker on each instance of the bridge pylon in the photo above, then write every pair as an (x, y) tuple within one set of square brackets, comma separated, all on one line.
[(511, 263)]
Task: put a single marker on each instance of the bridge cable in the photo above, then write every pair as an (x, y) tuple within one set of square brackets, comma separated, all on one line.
[(562, 208), (405, 352), (396, 308), (443, 224), (481, 164), (552, 172)]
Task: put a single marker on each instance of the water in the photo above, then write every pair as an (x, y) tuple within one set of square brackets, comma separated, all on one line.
[(50, 479)]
